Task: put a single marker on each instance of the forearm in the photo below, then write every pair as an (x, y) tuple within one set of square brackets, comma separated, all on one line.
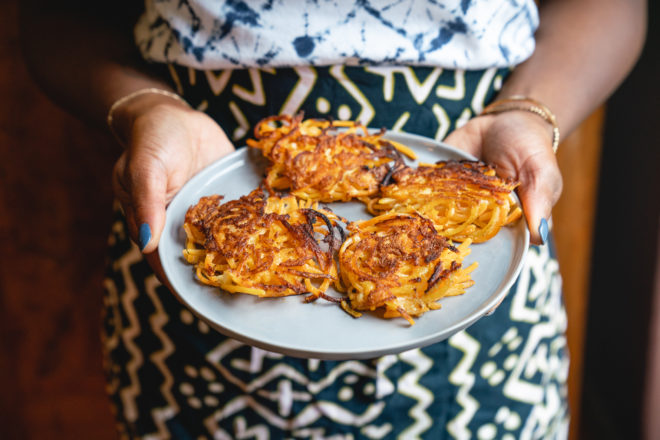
[(584, 50), (82, 61)]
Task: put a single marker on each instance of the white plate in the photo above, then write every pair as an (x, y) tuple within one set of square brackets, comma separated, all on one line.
[(321, 329)]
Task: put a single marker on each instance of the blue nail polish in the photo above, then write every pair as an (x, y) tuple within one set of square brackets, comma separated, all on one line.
[(144, 235), (543, 230)]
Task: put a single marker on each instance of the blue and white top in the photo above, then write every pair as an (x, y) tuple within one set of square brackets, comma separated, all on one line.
[(219, 34)]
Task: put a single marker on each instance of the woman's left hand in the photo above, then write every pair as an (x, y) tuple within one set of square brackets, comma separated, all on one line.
[(518, 144), (166, 144)]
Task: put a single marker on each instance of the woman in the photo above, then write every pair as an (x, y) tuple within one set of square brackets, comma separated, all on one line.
[(212, 71)]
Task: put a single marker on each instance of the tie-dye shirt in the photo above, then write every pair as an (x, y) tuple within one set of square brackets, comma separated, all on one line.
[(218, 34)]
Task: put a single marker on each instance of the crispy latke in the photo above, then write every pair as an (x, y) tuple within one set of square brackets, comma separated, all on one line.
[(269, 247), (314, 160), (400, 264), (464, 199)]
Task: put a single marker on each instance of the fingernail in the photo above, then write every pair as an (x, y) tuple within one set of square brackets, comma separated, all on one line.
[(543, 230), (144, 235)]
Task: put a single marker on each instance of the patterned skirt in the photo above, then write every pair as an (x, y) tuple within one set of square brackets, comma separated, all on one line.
[(170, 375)]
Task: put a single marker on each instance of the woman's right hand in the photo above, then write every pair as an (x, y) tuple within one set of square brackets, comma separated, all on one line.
[(166, 143), (519, 145)]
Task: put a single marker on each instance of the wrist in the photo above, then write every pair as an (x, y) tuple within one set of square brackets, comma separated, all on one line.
[(125, 111), (530, 106)]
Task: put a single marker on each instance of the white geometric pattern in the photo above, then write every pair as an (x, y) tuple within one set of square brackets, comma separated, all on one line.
[(464, 378)]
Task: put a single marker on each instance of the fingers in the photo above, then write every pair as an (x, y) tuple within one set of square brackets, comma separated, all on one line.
[(167, 144), (539, 190), (518, 145), (124, 197), (145, 208), (149, 202), (122, 193)]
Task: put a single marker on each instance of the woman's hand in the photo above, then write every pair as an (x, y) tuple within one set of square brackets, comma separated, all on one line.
[(518, 144), (166, 144)]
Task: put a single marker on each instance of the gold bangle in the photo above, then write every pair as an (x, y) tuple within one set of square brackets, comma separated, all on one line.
[(124, 99), (529, 105)]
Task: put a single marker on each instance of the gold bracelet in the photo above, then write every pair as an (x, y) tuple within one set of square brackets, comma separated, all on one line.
[(529, 105), (124, 99)]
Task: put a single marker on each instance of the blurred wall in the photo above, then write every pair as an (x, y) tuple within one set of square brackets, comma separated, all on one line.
[(625, 256), (55, 200), (652, 389)]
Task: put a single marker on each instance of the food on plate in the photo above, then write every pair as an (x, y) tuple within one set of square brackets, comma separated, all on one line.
[(399, 264), (465, 200), (263, 246), (277, 241), (323, 160)]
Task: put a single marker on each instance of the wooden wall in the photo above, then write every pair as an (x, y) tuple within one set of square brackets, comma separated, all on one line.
[(573, 221), (54, 204), (625, 258)]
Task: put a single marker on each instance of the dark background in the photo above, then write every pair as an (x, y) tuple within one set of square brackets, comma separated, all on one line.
[(55, 204), (625, 252)]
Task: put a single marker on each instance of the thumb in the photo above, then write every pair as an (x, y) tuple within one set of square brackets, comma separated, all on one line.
[(538, 193), (468, 138), (148, 199)]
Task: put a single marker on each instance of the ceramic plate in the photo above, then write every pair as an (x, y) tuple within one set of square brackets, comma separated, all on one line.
[(321, 329)]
